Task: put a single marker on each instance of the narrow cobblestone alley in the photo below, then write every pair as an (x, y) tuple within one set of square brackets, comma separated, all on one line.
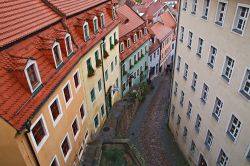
[(149, 130)]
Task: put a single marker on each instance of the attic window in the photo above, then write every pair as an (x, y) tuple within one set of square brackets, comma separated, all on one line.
[(102, 21), (135, 38), (86, 31), (140, 34), (32, 75), (68, 43), (122, 47), (57, 54), (113, 13), (145, 31), (95, 21), (128, 42)]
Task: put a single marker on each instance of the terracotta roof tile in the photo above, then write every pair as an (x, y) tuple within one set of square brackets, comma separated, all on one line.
[(168, 20), (160, 30), (20, 18)]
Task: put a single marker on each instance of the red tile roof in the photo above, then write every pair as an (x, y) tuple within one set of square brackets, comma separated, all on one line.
[(133, 20), (168, 20), (161, 31), (154, 46), (70, 7), (20, 18), (17, 104)]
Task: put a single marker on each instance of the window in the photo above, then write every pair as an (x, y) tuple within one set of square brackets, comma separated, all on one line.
[(100, 85), (184, 6), (122, 47), (92, 95), (145, 31), (172, 112), (66, 147), (222, 159), (67, 94), (189, 111), (199, 49), (241, 19), (32, 75), (228, 68), (190, 36), (185, 71), (80, 152), (194, 7), (54, 162), (248, 155), (178, 63), (115, 60), (75, 128), (194, 81), (112, 66), (221, 12), (128, 43), (55, 110), (86, 31), (204, 93), (175, 88), (198, 123), (212, 56), (178, 121), (39, 133), (135, 59), (82, 111), (185, 132), (68, 44), (205, 9), (182, 34), (182, 98), (77, 80), (135, 38), (209, 140), (56, 50), (245, 88), (140, 34), (217, 108), (96, 121), (102, 21), (124, 69), (234, 128), (113, 13), (111, 45), (106, 75), (193, 147), (102, 110)]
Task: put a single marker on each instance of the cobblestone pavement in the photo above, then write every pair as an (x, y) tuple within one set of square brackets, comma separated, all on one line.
[(149, 130)]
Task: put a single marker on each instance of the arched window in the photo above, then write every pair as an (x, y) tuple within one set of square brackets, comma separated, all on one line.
[(86, 31), (122, 47), (32, 75), (145, 31), (95, 22), (140, 34), (68, 44), (135, 38), (102, 21), (113, 12), (128, 42), (57, 55)]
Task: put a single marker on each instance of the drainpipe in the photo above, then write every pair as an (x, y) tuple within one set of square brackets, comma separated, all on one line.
[(103, 76), (173, 67)]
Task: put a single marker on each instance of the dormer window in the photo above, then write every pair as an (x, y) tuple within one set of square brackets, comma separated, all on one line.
[(86, 31), (128, 43), (102, 21), (140, 34), (32, 75), (113, 13), (68, 43), (122, 47), (135, 38), (145, 31), (95, 21), (57, 54)]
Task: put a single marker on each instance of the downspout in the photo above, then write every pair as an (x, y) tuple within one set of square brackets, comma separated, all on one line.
[(173, 67)]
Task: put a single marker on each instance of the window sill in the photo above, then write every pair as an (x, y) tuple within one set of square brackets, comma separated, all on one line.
[(207, 146), (210, 65), (188, 46), (193, 88), (245, 94), (237, 31), (230, 136), (184, 9), (218, 23), (185, 78), (203, 101), (215, 116), (181, 103), (197, 129), (193, 13), (204, 17), (198, 54), (181, 40), (188, 116), (225, 78)]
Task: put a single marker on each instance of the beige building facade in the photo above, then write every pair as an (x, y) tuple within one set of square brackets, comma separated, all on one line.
[(210, 101)]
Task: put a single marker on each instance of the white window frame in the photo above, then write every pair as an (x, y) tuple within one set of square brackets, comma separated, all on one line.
[(79, 80), (113, 13), (219, 156), (194, 7), (140, 34), (60, 110), (40, 145), (209, 139), (135, 38), (182, 33), (79, 155), (70, 92), (217, 108), (29, 63), (190, 39), (122, 47), (56, 159), (231, 68), (193, 147), (184, 5), (194, 81), (77, 122), (85, 35), (185, 75), (182, 98), (230, 124), (175, 88), (70, 44), (178, 63), (198, 123), (243, 84), (205, 91), (212, 55), (218, 12), (234, 25), (145, 31), (97, 29), (70, 147), (199, 48), (204, 8), (189, 111), (102, 20), (128, 43), (59, 51)]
